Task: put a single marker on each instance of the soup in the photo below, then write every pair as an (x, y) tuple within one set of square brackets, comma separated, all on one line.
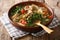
[(28, 15)]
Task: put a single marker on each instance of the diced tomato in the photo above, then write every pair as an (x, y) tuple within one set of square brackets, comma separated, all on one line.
[(23, 11), (50, 17), (23, 21)]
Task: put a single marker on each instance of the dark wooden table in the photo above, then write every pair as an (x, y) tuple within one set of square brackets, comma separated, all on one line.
[(6, 4)]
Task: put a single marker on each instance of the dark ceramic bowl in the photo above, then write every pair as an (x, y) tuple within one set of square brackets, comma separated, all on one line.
[(29, 29)]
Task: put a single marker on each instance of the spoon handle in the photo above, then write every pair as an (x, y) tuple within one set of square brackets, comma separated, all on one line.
[(48, 30)]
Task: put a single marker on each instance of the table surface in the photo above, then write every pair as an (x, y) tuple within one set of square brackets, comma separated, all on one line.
[(6, 4)]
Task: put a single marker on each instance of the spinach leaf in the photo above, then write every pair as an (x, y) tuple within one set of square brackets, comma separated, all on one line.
[(33, 18), (16, 9)]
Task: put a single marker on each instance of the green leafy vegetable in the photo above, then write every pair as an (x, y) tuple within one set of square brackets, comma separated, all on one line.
[(33, 18), (16, 9)]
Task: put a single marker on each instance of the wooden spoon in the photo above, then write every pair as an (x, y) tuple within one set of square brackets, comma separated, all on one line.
[(48, 30)]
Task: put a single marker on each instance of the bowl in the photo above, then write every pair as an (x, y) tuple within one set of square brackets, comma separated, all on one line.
[(30, 29)]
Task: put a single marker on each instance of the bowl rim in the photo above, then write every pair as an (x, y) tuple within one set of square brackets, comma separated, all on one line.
[(47, 6)]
